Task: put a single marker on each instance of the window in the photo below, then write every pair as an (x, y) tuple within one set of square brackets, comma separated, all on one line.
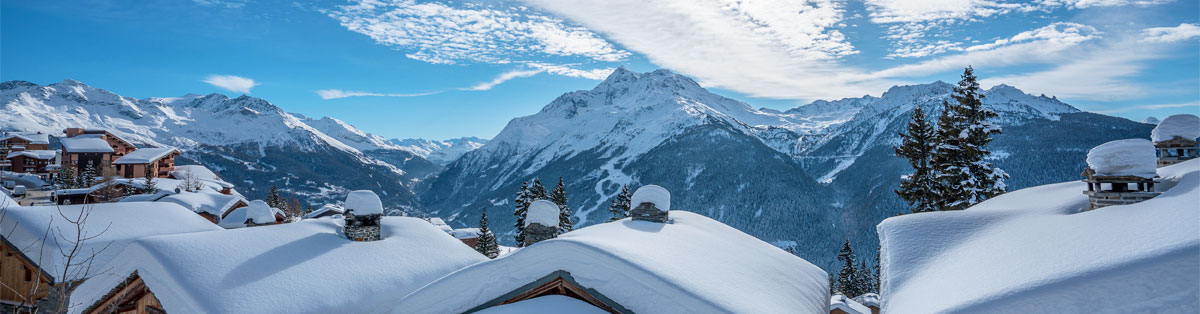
[(28, 274)]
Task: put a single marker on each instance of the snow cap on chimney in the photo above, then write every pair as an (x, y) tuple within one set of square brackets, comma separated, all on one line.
[(364, 202)]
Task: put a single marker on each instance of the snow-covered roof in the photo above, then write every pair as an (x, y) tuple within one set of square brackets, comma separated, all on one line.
[(299, 267), (324, 209), (465, 233), (363, 202), (114, 225), (848, 305), (440, 224), (257, 212), (550, 304), (1035, 249), (1182, 125), (32, 138), (693, 265), (868, 299), (145, 155), (542, 212), (205, 201), (657, 195), (81, 144), (195, 171), (1131, 157), (35, 154)]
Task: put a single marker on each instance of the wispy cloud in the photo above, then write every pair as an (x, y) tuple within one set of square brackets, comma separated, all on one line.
[(337, 93), (1195, 104), (233, 83), (234, 4), (503, 77), (1171, 34)]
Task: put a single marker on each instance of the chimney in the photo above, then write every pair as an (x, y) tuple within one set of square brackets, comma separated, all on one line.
[(363, 212), (541, 222), (650, 203)]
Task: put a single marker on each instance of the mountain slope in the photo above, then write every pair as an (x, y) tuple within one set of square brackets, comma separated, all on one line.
[(440, 152), (250, 141)]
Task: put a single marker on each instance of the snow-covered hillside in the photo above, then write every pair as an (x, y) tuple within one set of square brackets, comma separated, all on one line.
[(441, 152), (1038, 250), (251, 141)]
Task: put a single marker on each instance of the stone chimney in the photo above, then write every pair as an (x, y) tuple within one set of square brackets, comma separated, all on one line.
[(363, 213), (650, 203), (541, 222)]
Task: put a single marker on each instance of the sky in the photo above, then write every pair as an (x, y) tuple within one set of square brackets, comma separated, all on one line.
[(445, 69)]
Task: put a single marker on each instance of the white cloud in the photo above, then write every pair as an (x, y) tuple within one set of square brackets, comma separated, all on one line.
[(227, 4), (236, 84), (569, 70), (1061, 32), (438, 33), (1169, 106), (503, 77), (1102, 73), (337, 93), (1171, 34)]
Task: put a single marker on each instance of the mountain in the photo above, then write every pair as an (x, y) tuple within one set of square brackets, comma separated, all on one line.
[(809, 177), (412, 162), (248, 140), (1150, 120), (441, 152)]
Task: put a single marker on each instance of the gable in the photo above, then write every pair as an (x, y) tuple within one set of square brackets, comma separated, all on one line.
[(560, 282)]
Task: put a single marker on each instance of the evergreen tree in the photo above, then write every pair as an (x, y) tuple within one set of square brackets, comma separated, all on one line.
[(863, 281), (66, 178), (620, 205), (149, 187), (965, 177), (919, 189), (88, 178), (275, 200), (877, 278), (847, 277), (524, 198), (559, 197), (537, 191), (486, 244)]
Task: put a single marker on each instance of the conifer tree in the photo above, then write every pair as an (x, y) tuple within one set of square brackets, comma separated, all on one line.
[(88, 178), (919, 189), (847, 277), (863, 281), (149, 187), (274, 200), (559, 197), (965, 176), (877, 278), (66, 178), (537, 190), (620, 205), (486, 244), (524, 198)]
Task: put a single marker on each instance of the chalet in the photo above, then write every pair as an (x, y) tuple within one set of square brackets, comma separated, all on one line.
[(1175, 139), (840, 304), (182, 274), (32, 259), (869, 300), (21, 141), (1120, 173), (81, 151), (202, 174), (208, 204), (256, 213), (119, 145), (468, 236), (328, 210), (37, 162), (687, 264), (159, 160)]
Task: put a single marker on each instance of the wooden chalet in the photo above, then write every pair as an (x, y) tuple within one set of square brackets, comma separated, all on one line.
[(21, 141), (1117, 190), (80, 152), (24, 282), (37, 162), (119, 145), (557, 283), (160, 161), (131, 296), (1176, 150)]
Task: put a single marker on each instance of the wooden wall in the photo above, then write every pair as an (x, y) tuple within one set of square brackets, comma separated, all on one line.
[(20, 275)]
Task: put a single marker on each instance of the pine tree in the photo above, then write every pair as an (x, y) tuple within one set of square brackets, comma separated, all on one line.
[(538, 191), (847, 276), (274, 200), (863, 281), (959, 160), (149, 187), (486, 244), (878, 279), (620, 205), (66, 178), (919, 189), (524, 198), (88, 178), (559, 197)]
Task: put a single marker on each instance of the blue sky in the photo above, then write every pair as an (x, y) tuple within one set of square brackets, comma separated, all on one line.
[(446, 69)]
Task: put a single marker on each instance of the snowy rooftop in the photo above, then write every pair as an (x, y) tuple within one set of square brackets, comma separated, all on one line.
[(32, 138), (868, 299), (542, 212), (848, 305), (550, 304), (1131, 157), (81, 144), (209, 202), (1036, 249), (364, 202), (465, 233), (324, 209), (257, 212), (36, 154), (145, 155), (201, 173), (1182, 125), (113, 224), (657, 195), (693, 265), (300, 267)]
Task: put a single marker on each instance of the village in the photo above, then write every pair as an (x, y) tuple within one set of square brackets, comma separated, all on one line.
[(100, 225)]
